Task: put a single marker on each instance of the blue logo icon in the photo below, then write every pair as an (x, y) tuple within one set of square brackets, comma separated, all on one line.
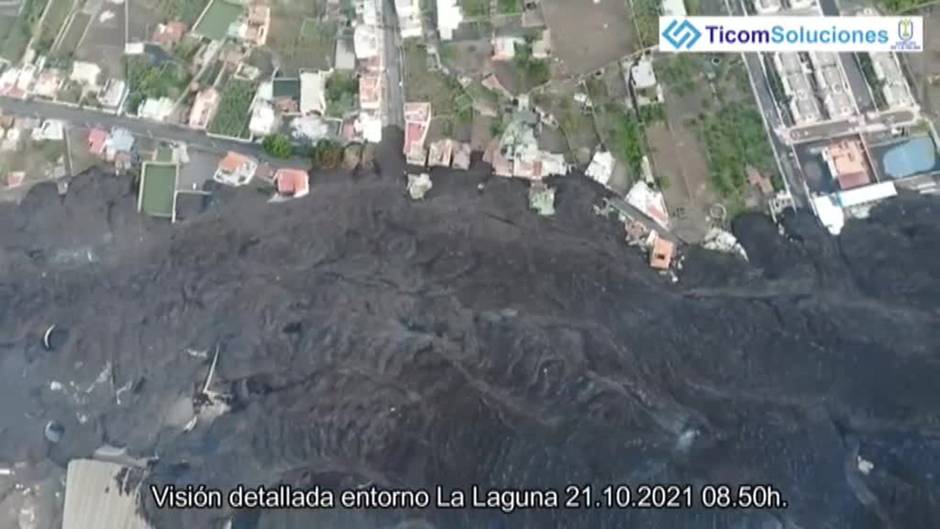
[(681, 34)]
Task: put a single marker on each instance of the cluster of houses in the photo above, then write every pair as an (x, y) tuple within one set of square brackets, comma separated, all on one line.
[(13, 131), (81, 82)]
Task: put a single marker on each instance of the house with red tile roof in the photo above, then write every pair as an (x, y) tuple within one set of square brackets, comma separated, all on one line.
[(292, 183), (169, 34), (97, 141), (236, 169)]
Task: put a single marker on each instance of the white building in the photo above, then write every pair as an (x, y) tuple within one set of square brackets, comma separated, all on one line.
[(156, 109), (313, 92), (832, 209), (832, 85), (646, 88), (894, 85), (369, 125), (50, 130), (767, 7), (796, 84), (409, 18), (263, 119), (504, 48), (801, 5), (674, 8), (601, 168), (367, 11), (366, 42), (85, 73), (112, 94), (449, 17)]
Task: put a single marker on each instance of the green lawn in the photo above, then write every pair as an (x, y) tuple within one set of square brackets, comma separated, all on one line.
[(219, 16), (234, 111), (157, 187)]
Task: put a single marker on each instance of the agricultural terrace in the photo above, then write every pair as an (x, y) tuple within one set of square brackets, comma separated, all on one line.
[(300, 37), (234, 111)]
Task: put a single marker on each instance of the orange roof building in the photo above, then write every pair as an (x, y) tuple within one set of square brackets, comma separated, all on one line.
[(97, 140), (370, 92), (661, 253), (846, 161), (236, 169), (169, 34), (293, 183)]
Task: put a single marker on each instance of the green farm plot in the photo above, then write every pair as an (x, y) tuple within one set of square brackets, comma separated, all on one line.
[(14, 40), (234, 111), (218, 17), (300, 41), (475, 8), (157, 188), (507, 7)]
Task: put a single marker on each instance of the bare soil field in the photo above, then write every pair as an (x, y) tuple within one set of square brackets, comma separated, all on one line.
[(678, 161), (368, 339), (104, 40), (925, 67), (587, 35)]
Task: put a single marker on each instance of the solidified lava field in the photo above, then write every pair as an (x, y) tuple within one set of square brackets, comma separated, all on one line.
[(367, 339)]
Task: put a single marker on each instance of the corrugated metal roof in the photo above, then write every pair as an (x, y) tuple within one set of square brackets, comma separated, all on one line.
[(101, 495), (866, 194)]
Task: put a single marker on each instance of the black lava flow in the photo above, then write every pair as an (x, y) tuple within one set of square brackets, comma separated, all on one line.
[(366, 339)]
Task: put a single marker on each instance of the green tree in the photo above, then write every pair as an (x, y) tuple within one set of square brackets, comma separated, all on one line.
[(327, 154), (278, 146)]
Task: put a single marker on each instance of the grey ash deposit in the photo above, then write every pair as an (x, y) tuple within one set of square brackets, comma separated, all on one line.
[(368, 339)]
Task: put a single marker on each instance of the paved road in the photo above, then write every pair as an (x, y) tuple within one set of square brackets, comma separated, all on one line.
[(851, 66), (857, 83), (873, 123), (78, 117), (819, 131), (394, 84)]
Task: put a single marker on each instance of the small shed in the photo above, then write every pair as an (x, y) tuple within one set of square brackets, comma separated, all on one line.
[(661, 253)]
